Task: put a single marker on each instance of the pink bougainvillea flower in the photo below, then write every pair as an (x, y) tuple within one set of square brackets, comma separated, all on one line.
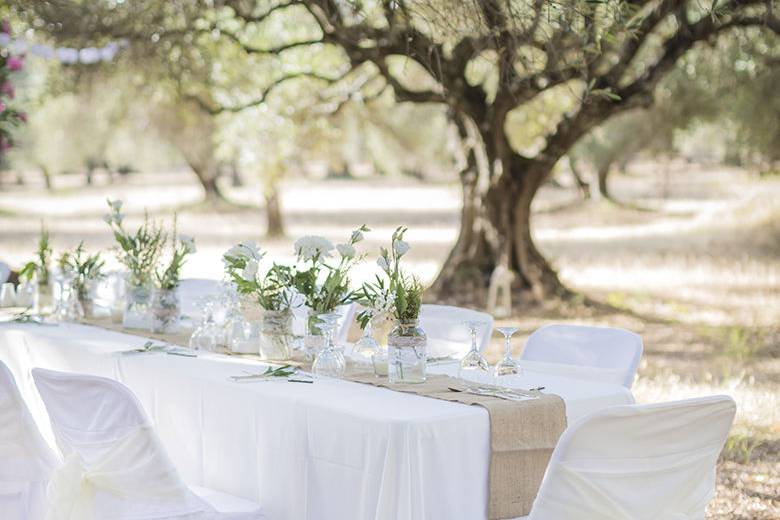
[(15, 63), (2, 107), (6, 27)]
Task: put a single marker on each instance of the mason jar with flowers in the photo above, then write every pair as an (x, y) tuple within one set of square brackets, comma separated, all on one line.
[(406, 342), (323, 283), (34, 276), (139, 252), (83, 271), (271, 293), (166, 305)]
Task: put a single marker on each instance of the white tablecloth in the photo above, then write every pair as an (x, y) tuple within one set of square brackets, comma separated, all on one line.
[(328, 450)]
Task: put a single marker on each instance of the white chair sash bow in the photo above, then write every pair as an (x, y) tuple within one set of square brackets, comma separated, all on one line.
[(133, 468)]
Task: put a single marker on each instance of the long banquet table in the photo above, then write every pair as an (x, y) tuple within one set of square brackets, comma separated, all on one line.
[(329, 450)]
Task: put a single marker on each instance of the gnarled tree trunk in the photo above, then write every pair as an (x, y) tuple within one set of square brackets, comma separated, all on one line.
[(273, 214), (496, 229), (207, 176)]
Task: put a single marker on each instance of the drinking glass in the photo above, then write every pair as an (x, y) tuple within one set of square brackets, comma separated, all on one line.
[(507, 366), (366, 347), (330, 361), (473, 363), (7, 295), (207, 334)]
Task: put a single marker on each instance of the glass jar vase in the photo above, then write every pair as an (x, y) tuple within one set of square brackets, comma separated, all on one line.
[(406, 353), (314, 340), (27, 295), (138, 307), (276, 335), (166, 311), (86, 295)]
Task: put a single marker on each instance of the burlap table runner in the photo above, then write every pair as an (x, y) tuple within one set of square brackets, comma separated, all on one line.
[(522, 438), (522, 434)]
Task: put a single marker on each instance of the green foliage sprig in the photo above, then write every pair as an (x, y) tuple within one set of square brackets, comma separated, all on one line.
[(85, 268), (325, 286), (39, 266), (242, 262), (140, 251), (182, 246), (399, 293)]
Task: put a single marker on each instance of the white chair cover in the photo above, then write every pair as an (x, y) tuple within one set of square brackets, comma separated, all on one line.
[(614, 354), (346, 317), (115, 466), (637, 462), (26, 461), (447, 335), (190, 290), (5, 272)]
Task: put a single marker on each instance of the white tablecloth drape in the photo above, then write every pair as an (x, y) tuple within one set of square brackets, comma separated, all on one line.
[(328, 450)]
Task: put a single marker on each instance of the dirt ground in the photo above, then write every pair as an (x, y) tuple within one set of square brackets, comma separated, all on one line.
[(690, 260)]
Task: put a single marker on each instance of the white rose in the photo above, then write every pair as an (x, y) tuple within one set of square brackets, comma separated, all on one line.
[(400, 247), (250, 271), (346, 250), (381, 262)]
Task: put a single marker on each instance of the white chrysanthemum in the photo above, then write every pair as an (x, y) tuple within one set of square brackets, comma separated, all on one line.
[(310, 246), (400, 247), (346, 250), (250, 271), (381, 262)]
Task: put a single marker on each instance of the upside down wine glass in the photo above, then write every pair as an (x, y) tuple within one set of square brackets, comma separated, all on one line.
[(474, 363), (329, 362), (507, 366)]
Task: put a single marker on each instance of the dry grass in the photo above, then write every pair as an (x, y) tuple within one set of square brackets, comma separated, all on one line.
[(698, 276)]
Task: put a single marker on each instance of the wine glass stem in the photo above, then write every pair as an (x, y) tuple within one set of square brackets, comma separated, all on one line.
[(474, 340)]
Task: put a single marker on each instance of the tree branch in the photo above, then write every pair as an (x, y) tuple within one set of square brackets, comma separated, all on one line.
[(219, 109)]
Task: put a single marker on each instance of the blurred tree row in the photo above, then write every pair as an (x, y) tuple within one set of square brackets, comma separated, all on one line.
[(517, 85)]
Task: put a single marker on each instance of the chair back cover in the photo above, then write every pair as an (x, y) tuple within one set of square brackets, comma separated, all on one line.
[(5, 272), (637, 462), (191, 290), (115, 466), (614, 354), (346, 317), (447, 335), (26, 461)]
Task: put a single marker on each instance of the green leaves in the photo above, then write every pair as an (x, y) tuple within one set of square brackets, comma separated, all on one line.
[(85, 268), (402, 296), (140, 251), (325, 294), (270, 291)]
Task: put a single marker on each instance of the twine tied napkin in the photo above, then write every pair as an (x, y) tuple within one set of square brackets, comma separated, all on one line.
[(522, 438)]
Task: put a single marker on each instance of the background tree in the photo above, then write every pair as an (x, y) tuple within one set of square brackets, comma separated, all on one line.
[(490, 63)]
